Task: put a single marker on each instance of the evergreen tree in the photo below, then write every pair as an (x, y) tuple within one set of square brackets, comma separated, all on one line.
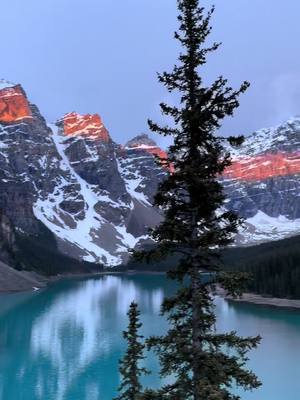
[(201, 364), (274, 267), (130, 387)]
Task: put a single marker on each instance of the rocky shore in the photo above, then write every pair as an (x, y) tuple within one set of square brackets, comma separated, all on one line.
[(12, 280), (266, 301)]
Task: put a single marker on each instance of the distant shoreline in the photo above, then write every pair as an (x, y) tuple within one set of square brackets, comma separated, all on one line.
[(249, 298), (274, 302), (25, 281), (13, 281)]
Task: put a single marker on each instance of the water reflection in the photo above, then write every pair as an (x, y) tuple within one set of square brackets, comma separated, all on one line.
[(64, 343), (70, 348)]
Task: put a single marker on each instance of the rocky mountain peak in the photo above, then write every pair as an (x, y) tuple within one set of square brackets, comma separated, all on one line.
[(89, 126), (141, 141), (14, 105), (264, 166), (284, 137), (268, 153), (72, 183), (144, 143)]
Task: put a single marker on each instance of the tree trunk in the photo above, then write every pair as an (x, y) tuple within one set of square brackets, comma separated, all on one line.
[(197, 343)]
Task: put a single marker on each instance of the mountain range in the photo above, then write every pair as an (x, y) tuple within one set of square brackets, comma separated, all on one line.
[(70, 186)]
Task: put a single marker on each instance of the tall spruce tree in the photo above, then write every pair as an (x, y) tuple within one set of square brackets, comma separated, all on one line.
[(130, 370), (202, 364)]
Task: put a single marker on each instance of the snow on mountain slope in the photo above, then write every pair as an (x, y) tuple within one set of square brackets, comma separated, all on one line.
[(284, 137), (263, 228), (96, 196), (263, 183), (69, 178), (82, 232), (87, 229), (89, 126)]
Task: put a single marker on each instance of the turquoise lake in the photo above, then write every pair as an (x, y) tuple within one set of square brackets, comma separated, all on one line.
[(64, 343)]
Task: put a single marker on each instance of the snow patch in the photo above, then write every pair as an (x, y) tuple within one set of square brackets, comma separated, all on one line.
[(132, 182), (48, 211), (263, 228)]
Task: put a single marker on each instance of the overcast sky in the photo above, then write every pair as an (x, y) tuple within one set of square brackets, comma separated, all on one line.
[(102, 56)]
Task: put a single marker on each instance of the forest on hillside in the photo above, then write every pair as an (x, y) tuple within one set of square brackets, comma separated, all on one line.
[(274, 267)]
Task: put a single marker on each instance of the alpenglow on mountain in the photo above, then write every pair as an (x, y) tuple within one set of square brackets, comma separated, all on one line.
[(71, 182)]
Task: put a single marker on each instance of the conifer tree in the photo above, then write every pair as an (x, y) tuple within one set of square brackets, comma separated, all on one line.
[(130, 370), (201, 363)]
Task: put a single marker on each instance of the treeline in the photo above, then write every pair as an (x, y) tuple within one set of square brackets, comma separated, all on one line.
[(40, 253), (274, 266)]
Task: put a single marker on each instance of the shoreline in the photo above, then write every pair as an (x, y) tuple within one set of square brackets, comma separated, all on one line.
[(13, 281), (247, 298), (273, 302)]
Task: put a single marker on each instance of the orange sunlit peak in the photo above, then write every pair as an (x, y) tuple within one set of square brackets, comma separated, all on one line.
[(14, 105), (264, 166), (87, 125)]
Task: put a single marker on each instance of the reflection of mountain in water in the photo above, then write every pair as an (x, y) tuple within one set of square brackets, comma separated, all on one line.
[(69, 337), (86, 319), (64, 343)]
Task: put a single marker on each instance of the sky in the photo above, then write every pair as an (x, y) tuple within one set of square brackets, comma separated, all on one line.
[(102, 56)]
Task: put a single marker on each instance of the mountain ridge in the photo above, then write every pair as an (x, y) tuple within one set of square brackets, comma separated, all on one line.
[(95, 196)]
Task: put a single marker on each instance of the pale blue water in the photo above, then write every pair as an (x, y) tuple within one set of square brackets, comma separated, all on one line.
[(64, 343)]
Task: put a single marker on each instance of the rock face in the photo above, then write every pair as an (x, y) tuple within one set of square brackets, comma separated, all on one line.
[(263, 183), (89, 126), (264, 166), (13, 103), (145, 144), (8, 245), (29, 162), (95, 196), (73, 178)]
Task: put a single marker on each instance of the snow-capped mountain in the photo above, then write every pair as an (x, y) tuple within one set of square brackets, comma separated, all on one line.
[(263, 183), (91, 193), (95, 196)]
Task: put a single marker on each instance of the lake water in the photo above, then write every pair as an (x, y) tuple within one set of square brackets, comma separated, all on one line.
[(64, 343)]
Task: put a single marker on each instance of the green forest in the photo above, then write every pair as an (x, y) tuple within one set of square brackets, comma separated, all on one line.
[(274, 266)]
